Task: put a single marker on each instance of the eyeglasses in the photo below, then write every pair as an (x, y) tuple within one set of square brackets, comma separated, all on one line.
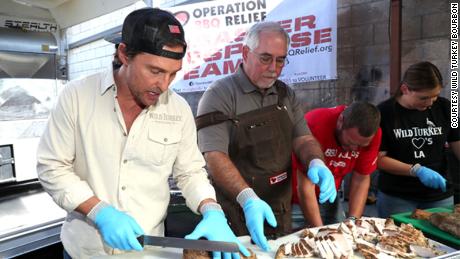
[(267, 59)]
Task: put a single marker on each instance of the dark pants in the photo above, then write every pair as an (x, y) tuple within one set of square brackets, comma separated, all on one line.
[(388, 205), (66, 255), (332, 213)]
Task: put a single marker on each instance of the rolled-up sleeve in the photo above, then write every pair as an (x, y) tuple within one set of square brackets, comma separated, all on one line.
[(56, 154), (188, 171)]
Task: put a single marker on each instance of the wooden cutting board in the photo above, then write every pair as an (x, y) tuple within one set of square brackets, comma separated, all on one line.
[(429, 229)]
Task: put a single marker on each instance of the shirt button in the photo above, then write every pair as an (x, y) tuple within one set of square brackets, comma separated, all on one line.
[(125, 161), (124, 134), (166, 139), (123, 188)]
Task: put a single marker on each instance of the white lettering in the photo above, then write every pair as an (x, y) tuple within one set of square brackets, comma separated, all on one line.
[(419, 154)]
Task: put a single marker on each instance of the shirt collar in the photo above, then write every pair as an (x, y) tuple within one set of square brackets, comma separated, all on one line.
[(247, 86), (107, 81), (163, 100)]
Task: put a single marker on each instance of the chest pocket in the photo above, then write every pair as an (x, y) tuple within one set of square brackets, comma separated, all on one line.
[(264, 144), (163, 143)]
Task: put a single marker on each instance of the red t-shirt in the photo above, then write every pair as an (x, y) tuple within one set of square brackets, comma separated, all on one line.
[(322, 123)]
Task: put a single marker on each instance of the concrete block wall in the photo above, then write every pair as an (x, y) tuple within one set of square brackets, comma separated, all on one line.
[(90, 58), (363, 58), (363, 50), (97, 55), (366, 59)]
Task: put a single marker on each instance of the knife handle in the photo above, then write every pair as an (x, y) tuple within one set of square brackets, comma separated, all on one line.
[(141, 240)]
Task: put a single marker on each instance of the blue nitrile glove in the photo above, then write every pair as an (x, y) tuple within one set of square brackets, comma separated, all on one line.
[(118, 229), (256, 211), (214, 227), (430, 178), (321, 175)]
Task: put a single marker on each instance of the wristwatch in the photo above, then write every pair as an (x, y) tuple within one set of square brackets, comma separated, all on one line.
[(413, 170), (352, 218)]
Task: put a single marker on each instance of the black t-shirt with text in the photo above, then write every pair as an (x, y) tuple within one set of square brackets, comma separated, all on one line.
[(413, 136)]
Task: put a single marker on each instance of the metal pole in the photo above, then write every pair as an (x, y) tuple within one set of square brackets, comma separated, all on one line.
[(395, 45), (148, 3)]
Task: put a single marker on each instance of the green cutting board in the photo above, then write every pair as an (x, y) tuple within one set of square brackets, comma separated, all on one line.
[(427, 227)]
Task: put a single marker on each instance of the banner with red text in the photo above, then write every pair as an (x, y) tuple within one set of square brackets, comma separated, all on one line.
[(214, 32)]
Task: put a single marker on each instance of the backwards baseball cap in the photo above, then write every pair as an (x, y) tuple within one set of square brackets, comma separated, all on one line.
[(150, 30)]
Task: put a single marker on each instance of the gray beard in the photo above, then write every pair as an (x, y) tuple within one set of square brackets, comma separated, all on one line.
[(266, 86)]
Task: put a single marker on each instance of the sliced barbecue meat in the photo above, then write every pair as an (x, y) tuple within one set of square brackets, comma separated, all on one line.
[(390, 224), (343, 244), (307, 248), (422, 251), (371, 238), (327, 247), (199, 254), (457, 208), (283, 251), (321, 249), (301, 249), (420, 214), (296, 249), (307, 233), (195, 254), (449, 222), (366, 249), (377, 228)]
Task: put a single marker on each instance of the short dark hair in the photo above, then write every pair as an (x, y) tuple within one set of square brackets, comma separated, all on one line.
[(116, 62), (421, 76), (362, 115)]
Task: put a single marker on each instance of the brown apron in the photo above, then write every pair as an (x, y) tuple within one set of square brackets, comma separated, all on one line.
[(260, 147)]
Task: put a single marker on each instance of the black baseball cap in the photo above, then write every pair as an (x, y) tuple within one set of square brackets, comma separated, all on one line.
[(149, 30)]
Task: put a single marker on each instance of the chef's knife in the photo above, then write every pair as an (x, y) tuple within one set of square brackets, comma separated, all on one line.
[(204, 245)]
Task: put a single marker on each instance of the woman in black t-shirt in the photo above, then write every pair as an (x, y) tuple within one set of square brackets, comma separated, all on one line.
[(416, 128)]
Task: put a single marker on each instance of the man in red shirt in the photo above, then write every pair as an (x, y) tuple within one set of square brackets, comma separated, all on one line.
[(350, 139)]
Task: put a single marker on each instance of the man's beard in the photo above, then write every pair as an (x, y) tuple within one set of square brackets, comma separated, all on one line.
[(267, 86), (270, 84)]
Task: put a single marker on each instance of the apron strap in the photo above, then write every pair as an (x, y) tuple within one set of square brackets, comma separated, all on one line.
[(282, 92), (211, 118), (217, 117)]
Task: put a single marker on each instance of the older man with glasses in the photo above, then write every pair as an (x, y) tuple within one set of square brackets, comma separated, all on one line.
[(248, 125)]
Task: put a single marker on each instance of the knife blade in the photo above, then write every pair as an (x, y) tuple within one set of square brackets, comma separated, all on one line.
[(204, 245)]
